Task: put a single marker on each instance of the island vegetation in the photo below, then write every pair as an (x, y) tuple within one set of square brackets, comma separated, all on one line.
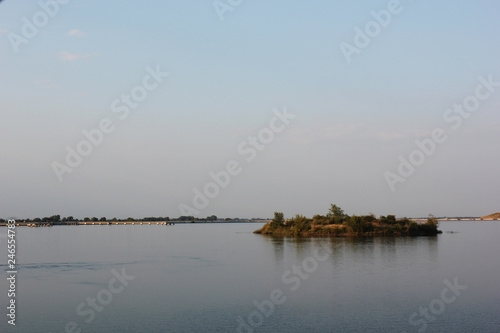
[(337, 223)]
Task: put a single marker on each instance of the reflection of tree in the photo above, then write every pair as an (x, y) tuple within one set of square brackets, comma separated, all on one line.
[(432, 245), (381, 255), (301, 246), (395, 249), (386, 247), (361, 248), (279, 249)]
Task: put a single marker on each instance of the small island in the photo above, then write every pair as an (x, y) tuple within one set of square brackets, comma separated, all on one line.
[(336, 223)]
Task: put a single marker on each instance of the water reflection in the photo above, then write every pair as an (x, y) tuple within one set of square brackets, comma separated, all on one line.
[(278, 245), (202, 278), (389, 250)]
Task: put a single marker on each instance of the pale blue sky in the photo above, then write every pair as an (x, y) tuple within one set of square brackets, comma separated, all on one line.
[(225, 78)]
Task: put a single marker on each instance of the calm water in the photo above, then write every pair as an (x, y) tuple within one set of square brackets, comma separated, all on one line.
[(208, 278)]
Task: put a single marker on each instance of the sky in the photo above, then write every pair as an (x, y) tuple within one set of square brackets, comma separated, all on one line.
[(241, 108)]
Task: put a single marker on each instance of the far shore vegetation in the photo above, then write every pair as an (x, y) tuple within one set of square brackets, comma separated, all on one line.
[(337, 223), (58, 220)]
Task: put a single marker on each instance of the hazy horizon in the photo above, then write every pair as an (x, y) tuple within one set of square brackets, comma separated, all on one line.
[(296, 107)]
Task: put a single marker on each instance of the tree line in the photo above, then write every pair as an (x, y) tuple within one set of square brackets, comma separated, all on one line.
[(56, 219)]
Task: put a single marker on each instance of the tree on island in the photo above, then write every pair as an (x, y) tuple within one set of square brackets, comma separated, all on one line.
[(336, 214), (278, 221)]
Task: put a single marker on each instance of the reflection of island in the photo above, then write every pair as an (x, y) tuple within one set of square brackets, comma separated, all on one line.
[(336, 223)]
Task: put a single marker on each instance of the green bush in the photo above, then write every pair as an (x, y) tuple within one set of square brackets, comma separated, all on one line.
[(412, 228), (299, 224), (355, 224), (321, 220)]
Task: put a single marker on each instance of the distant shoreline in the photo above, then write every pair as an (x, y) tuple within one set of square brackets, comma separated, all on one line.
[(137, 222), (242, 221)]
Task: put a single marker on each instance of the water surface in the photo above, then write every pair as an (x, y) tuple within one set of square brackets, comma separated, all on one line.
[(209, 278)]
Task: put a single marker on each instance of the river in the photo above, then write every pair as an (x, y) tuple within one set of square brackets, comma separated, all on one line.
[(224, 278)]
